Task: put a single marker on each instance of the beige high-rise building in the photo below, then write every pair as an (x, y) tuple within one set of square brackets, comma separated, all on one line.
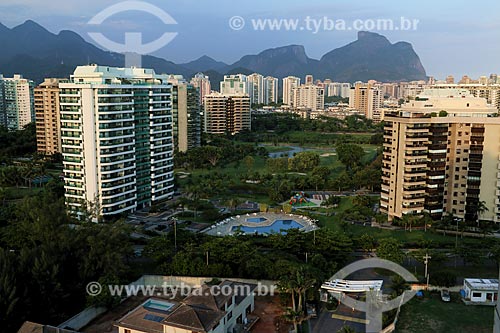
[(441, 155), (450, 79), (226, 113), (47, 117), (366, 98), (186, 114), (289, 83), (309, 96)]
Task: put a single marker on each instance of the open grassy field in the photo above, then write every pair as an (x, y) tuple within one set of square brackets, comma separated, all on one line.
[(430, 314)]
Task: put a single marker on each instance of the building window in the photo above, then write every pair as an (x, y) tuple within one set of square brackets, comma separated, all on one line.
[(477, 295)]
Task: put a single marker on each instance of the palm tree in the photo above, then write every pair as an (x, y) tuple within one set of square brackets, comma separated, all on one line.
[(297, 285)]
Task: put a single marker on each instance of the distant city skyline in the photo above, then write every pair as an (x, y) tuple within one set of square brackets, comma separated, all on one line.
[(446, 39)]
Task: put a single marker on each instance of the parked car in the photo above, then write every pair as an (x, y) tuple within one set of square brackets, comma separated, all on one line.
[(445, 295)]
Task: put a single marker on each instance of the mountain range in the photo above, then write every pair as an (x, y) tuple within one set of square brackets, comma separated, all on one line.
[(33, 51)]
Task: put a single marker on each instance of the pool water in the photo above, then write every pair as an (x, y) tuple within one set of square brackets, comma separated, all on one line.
[(276, 227), (256, 219)]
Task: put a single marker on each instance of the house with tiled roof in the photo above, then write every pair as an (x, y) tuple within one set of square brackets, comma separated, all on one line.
[(208, 309)]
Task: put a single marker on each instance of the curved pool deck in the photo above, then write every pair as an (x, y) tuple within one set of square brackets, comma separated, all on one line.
[(261, 223)]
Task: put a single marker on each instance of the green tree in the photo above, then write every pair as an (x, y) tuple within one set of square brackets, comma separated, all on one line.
[(350, 155), (390, 249)]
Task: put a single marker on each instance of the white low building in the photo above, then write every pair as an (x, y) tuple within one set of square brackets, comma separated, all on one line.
[(480, 290)]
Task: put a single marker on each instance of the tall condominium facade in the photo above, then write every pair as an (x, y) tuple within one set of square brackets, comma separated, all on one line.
[(226, 114), (366, 98), (441, 155), (289, 83), (337, 89), (47, 117), (309, 96), (116, 132), (236, 84), (202, 82), (271, 90), (186, 112), (16, 102), (256, 89)]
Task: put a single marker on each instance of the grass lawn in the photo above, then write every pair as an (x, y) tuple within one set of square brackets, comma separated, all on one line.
[(433, 315)]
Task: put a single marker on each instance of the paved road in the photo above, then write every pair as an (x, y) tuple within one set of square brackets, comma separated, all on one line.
[(331, 322)]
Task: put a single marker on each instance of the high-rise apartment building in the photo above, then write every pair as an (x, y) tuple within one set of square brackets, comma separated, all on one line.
[(256, 88), (450, 79), (186, 113), (226, 114), (202, 82), (236, 84), (47, 117), (16, 102), (440, 155), (289, 83), (337, 89), (366, 98), (309, 96), (116, 132), (309, 80), (270, 90)]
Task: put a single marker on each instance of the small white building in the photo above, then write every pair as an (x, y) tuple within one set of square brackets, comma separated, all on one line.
[(480, 290)]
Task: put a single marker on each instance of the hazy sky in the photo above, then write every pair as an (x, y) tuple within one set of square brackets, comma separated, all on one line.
[(452, 37)]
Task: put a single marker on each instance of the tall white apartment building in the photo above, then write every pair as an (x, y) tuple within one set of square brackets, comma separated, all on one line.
[(235, 84), (17, 108), (309, 96), (289, 83), (202, 83), (337, 89), (256, 87), (116, 132), (271, 90)]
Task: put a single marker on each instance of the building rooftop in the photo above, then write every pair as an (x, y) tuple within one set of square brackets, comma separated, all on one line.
[(30, 327), (482, 284), (105, 74), (201, 311)]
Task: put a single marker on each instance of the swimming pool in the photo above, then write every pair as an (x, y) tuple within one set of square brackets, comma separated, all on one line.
[(276, 227), (256, 219)]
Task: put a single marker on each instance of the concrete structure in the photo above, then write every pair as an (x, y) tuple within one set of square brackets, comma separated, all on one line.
[(496, 315), (47, 115), (186, 112), (270, 90), (16, 102), (116, 131), (489, 92), (309, 80), (202, 82), (256, 88), (226, 113), (289, 83), (337, 89), (366, 98), (236, 84), (481, 291), (309, 96), (440, 155), (217, 309)]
